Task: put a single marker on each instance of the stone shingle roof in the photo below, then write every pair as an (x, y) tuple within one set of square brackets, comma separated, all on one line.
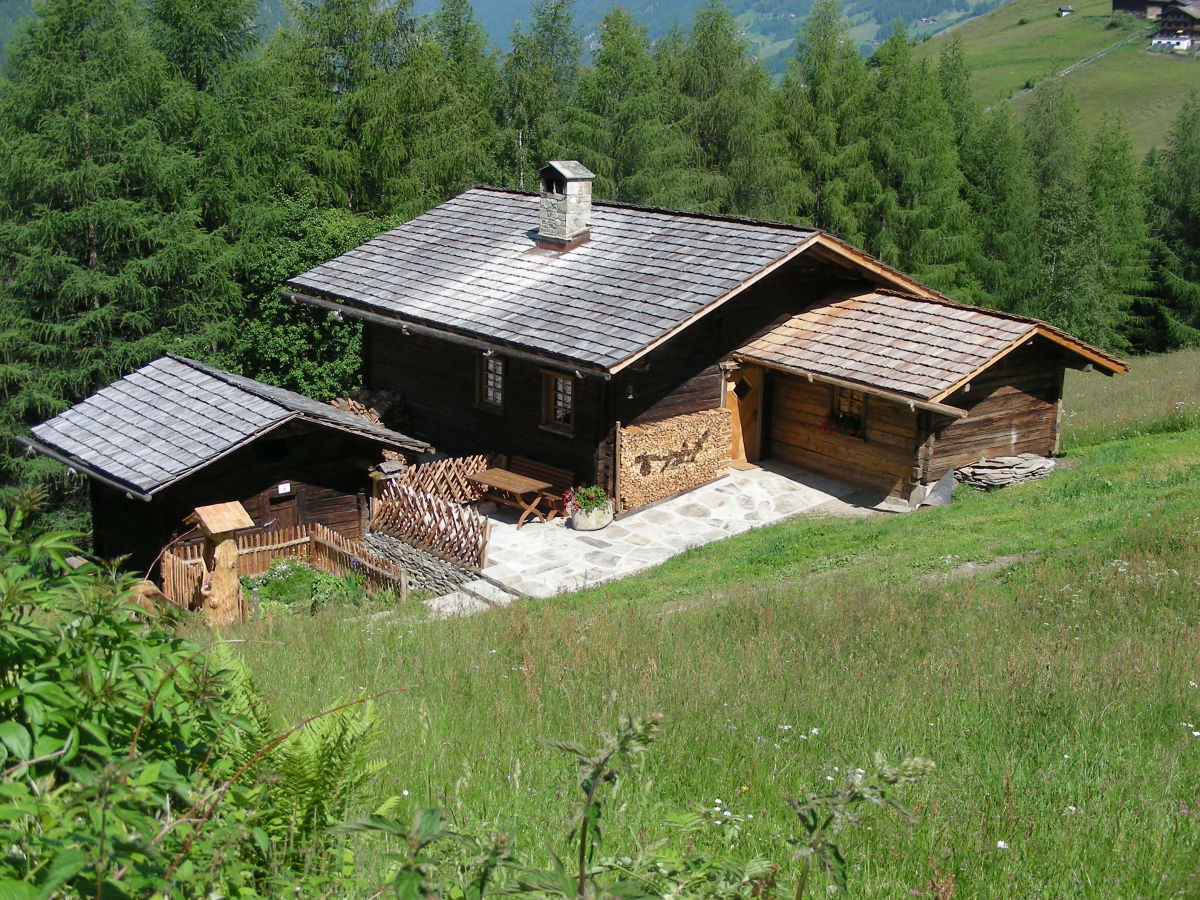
[(914, 347), (175, 415), (472, 266)]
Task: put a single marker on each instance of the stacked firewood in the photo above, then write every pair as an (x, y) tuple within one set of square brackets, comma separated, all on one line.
[(382, 407), (1004, 470), (665, 458)]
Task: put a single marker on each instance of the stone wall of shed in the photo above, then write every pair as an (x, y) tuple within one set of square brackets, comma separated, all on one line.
[(665, 458)]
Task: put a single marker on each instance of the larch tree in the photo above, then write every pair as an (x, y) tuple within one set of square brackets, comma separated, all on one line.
[(919, 221), (106, 263), (823, 111)]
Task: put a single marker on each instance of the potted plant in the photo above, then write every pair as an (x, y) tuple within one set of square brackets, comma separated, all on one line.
[(590, 508)]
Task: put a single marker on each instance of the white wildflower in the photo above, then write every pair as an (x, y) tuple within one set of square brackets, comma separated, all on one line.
[(1001, 845)]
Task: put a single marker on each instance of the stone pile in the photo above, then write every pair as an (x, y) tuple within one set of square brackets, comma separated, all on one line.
[(1004, 470)]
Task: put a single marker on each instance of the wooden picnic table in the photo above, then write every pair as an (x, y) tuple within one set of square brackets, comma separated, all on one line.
[(511, 489)]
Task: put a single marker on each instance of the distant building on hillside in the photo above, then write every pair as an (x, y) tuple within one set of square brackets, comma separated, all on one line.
[(1179, 20), (1065, 11), (1143, 9)]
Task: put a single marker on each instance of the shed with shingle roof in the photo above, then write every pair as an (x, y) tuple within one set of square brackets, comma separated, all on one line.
[(500, 339), (177, 434)]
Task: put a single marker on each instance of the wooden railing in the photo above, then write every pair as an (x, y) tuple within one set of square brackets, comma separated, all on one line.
[(458, 534), (446, 478), (322, 548)]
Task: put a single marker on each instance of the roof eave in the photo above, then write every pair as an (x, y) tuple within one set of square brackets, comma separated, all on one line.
[(913, 403), (333, 303), (77, 465)]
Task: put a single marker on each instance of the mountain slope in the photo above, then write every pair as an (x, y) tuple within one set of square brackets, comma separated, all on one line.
[(1025, 42)]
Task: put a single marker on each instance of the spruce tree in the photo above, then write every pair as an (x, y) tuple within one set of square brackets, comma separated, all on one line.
[(200, 40)]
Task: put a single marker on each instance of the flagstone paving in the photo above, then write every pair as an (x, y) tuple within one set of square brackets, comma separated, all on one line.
[(542, 559)]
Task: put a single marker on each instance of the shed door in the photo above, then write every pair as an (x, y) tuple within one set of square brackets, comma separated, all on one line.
[(282, 505), (745, 397)]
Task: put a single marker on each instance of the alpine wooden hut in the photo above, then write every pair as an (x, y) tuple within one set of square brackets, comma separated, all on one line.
[(178, 434), (644, 349)]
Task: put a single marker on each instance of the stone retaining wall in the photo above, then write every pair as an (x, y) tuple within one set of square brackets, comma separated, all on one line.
[(665, 458), (426, 572)]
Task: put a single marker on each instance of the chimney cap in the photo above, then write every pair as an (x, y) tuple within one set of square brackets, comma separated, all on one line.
[(570, 169)]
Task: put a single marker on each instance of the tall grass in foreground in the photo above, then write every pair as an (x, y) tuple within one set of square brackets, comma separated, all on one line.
[(1054, 682), (1159, 394)]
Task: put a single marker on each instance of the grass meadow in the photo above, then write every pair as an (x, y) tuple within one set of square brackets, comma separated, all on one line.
[(1144, 89), (1040, 643)]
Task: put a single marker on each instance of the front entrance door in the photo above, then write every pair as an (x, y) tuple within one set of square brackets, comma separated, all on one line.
[(744, 393)]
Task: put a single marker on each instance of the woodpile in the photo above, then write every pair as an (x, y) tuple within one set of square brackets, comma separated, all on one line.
[(382, 407), (455, 533), (665, 458), (1002, 471)]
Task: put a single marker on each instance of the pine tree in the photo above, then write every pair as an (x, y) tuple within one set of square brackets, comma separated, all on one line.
[(824, 115), (1069, 287), (106, 264), (202, 39), (1116, 195), (954, 77)]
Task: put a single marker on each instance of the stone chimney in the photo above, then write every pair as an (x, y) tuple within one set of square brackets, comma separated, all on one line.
[(566, 207)]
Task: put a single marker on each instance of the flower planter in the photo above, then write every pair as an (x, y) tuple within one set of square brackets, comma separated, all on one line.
[(591, 519)]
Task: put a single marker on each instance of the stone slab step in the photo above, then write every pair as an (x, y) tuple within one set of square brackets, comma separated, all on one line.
[(485, 590)]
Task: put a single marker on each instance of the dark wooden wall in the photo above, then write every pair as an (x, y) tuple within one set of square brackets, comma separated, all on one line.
[(437, 380), (1012, 408), (883, 462), (327, 470)]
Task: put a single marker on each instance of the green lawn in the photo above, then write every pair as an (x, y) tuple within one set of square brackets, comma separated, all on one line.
[(1051, 681)]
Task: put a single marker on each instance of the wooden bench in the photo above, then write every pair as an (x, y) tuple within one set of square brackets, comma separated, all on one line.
[(560, 480)]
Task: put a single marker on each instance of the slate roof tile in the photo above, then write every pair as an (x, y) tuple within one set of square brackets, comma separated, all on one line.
[(471, 264), (176, 415)]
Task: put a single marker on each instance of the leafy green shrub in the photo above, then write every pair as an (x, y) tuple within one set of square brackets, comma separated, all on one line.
[(130, 764), (296, 586)]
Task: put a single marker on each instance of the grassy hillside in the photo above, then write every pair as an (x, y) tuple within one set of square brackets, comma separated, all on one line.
[(1146, 89), (1041, 644)]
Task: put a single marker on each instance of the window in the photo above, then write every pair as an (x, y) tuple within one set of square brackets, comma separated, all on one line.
[(491, 381), (849, 413), (558, 402)]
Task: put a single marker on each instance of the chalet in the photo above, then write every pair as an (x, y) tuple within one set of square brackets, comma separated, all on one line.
[(631, 346), (178, 434), (1180, 20)]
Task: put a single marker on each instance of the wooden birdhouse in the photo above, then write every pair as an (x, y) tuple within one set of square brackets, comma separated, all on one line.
[(220, 591)]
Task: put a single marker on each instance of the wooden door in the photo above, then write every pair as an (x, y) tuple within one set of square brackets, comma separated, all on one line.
[(744, 392), (282, 506)]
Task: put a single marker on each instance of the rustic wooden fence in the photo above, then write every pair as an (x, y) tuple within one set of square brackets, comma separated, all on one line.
[(438, 526), (319, 546), (446, 478)]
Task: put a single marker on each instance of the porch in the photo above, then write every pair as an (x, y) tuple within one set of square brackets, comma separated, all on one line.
[(543, 559)]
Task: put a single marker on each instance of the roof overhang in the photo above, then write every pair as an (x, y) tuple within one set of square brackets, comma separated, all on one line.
[(133, 492), (345, 308), (913, 403)]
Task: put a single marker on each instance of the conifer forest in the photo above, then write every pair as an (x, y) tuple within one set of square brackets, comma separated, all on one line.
[(164, 166)]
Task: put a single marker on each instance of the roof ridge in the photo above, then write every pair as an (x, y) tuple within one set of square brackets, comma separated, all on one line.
[(668, 211), (222, 375)]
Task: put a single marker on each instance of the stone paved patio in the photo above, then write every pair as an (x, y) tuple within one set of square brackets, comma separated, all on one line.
[(543, 559)]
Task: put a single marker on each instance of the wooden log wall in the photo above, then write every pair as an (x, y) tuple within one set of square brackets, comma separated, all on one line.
[(883, 462), (327, 471), (458, 534), (438, 383), (1013, 409), (664, 458)]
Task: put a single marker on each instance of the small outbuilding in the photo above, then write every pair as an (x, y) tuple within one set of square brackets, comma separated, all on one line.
[(178, 434)]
